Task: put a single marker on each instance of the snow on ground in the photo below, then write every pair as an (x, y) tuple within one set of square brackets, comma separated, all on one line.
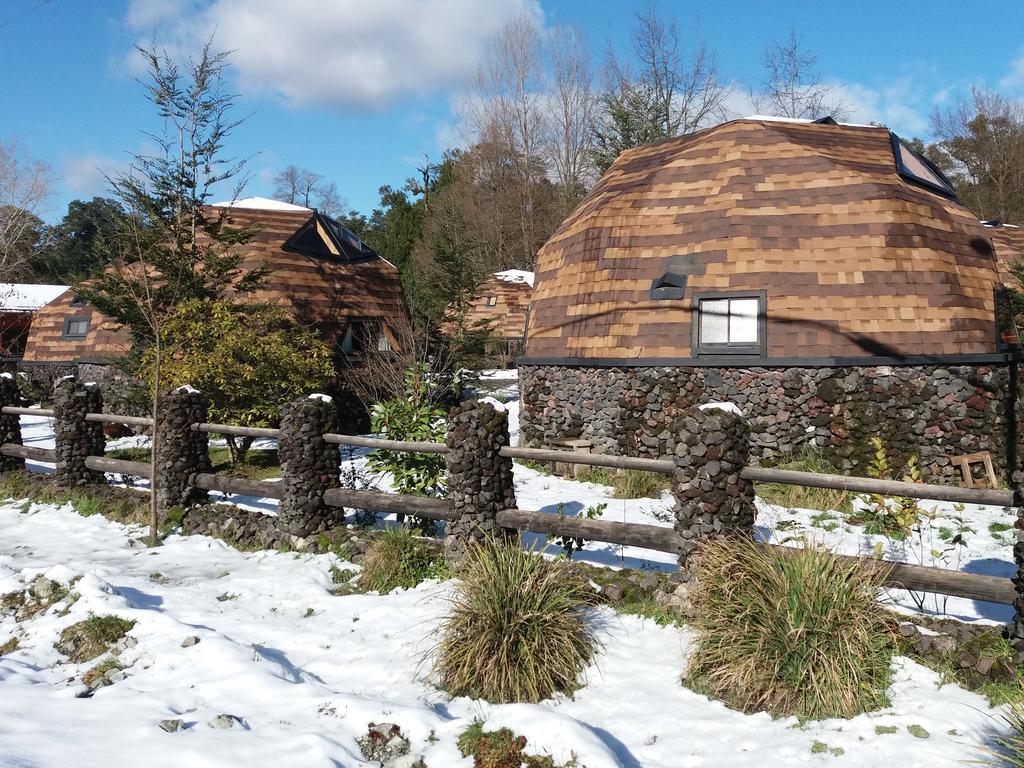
[(307, 686), (306, 671)]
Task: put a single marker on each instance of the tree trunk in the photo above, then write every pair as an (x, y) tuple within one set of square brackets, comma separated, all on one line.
[(154, 520), (238, 448)]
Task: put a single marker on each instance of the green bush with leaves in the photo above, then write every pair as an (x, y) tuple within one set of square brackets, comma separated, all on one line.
[(894, 517), (415, 416), (249, 360), (789, 631), (516, 629)]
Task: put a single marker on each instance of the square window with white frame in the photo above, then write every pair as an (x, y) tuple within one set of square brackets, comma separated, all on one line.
[(729, 324)]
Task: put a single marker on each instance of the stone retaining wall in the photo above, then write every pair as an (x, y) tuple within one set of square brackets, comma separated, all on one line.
[(930, 411)]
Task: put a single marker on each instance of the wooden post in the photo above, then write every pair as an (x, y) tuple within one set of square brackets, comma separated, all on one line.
[(311, 466), (479, 478), (76, 438), (10, 424), (184, 453)]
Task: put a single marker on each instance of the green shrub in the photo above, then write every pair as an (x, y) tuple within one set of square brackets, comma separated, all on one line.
[(397, 558), (798, 497), (790, 631), (499, 749), (637, 484), (516, 629), (88, 639)]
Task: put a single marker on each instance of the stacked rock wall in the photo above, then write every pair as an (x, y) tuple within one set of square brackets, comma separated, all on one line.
[(933, 412), (75, 438), (311, 466), (479, 479), (182, 453), (10, 426)]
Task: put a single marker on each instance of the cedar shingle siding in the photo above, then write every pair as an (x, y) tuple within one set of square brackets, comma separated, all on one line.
[(855, 260)]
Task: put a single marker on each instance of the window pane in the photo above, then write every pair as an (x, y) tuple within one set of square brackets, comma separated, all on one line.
[(714, 321), (743, 321)]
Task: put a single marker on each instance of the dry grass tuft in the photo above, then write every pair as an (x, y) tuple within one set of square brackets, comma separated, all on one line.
[(792, 632), (516, 630), (398, 558)]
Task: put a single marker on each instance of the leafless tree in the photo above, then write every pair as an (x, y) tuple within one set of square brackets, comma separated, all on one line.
[(24, 190), (792, 87), (573, 110), (685, 94), (301, 186)]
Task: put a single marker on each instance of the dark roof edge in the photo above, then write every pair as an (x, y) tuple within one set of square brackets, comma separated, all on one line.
[(746, 361)]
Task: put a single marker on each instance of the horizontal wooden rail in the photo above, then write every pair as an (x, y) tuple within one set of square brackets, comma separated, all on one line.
[(120, 466), (14, 410), (402, 446), (28, 452), (421, 506), (883, 487), (231, 429), (261, 489), (654, 537), (662, 466), (117, 418), (917, 578)]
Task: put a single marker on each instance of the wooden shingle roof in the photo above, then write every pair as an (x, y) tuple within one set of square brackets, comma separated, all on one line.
[(502, 303), (856, 260), (345, 283)]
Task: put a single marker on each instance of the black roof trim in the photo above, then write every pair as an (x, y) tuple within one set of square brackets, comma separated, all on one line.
[(754, 361)]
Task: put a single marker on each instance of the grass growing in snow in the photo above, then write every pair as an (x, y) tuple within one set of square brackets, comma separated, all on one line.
[(398, 558), (85, 640), (794, 632), (797, 497), (628, 483), (516, 629)]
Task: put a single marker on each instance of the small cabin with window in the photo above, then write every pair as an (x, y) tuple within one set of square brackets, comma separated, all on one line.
[(319, 272), (499, 306), (19, 304), (823, 277)]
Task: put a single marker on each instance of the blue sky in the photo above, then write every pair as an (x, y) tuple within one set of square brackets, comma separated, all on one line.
[(359, 91)]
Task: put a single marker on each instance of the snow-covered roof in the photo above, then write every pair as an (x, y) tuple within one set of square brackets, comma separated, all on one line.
[(261, 204), (515, 276), (776, 119), (24, 297)]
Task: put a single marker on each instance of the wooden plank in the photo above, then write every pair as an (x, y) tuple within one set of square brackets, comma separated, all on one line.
[(14, 410), (883, 487), (661, 466), (259, 488), (421, 506), (654, 537), (120, 466), (28, 452), (117, 418), (402, 446), (231, 429)]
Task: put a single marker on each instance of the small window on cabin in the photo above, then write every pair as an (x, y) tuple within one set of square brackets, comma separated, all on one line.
[(383, 345), (492, 301), (78, 301), (75, 328), (348, 341), (729, 324), (919, 169)]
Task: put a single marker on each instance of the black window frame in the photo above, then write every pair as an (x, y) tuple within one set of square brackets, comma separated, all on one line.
[(898, 148), (78, 301), (66, 329), (701, 349)]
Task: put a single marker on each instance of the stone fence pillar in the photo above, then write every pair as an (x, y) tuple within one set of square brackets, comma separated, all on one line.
[(181, 453), (76, 438), (479, 480), (711, 498), (311, 466), (10, 425)]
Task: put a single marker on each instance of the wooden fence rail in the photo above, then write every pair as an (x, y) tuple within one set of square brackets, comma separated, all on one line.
[(653, 537)]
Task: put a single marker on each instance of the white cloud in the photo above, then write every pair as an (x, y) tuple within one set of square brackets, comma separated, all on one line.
[(86, 176), (1013, 81), (898, 105), (345, 53)]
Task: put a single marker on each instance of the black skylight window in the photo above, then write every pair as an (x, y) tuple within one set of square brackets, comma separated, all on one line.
[(919, 169), (317, 236)]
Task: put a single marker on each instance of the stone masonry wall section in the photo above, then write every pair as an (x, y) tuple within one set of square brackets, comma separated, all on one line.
[(77, 438), (933, 412), (311, 466), (182, 453), (479, 479), (10, 426)]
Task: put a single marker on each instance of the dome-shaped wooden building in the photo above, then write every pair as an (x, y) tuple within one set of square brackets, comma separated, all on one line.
[(824, 277)]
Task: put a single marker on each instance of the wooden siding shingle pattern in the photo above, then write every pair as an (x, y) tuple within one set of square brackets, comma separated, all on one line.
[(507, 316), (855, 260)]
